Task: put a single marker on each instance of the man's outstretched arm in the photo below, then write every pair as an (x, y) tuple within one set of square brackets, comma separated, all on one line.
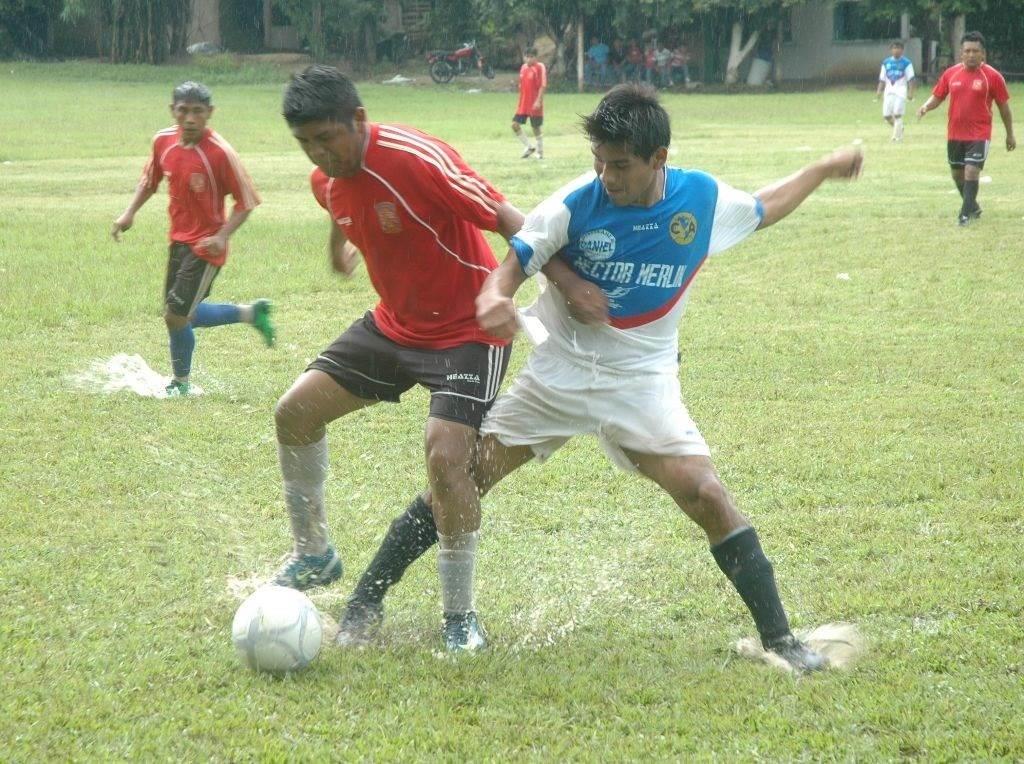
[(495, 308), (782, 197)]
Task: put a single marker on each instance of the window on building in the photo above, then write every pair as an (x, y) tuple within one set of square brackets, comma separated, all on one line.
[(851, 21)]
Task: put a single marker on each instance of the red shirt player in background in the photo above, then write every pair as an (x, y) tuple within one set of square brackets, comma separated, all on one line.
[(533, 81), (972, 86), (201, 169)]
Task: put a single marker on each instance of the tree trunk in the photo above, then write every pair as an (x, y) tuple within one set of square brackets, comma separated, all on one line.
[(777, 55), (738, 53), (957, 29), (580, 81)]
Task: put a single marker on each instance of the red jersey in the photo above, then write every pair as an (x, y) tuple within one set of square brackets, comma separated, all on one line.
[(199, 176), (970, 100), (415, 211), (531, 80)]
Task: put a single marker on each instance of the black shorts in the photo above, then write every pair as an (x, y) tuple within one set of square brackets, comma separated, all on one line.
[(188, 280), (535, 122), (960, 153), (463, 380)]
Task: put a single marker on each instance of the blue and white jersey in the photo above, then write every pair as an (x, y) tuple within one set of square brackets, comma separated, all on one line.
[(896, 73), (643, 258)]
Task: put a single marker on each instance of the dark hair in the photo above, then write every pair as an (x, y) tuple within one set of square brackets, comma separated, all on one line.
[(531, 51), (320, 93), (630, 115), (192, 92), (973, 37), (897, 44)]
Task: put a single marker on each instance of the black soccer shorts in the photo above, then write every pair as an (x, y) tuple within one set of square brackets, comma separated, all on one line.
[(960, 153), (463, 381), (535, 122), (188, 279)]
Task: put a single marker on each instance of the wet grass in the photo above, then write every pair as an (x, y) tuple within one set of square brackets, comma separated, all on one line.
[(870, 425)]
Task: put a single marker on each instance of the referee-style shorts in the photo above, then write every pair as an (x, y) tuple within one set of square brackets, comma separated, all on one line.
[(553, 398), (463, 381), (960, 153), (188, 280)]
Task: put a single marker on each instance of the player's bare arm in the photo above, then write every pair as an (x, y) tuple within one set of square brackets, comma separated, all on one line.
[(495, 308), (784, 196), (343, 253), (218, 243), (1007, 117), (510, 220), (586, 301), (928, 105), (124, 221)]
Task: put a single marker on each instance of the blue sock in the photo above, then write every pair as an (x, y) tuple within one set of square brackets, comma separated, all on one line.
[(183, 342), (216, 314)]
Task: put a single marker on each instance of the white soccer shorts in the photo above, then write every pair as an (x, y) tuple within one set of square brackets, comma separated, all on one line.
[(893, 105), (553, 399)]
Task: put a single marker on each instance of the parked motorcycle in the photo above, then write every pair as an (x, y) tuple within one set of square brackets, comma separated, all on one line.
[(447, 64)]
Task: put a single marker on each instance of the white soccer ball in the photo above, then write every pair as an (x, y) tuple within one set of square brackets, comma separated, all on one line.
[(277, 629)]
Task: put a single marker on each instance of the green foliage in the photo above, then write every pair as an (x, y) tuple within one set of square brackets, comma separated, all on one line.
[(345, 27), (871, 428), (136, 31)]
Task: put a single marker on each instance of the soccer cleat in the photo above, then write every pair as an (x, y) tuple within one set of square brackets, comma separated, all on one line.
[(261, 310), (304, 571), (462, 632), (359, 623), (527, 152), (178, 389), (963, 220), (798, 655), (976, 212)]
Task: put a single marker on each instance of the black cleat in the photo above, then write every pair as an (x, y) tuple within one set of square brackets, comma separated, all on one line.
[(963, 220), (360, 624), (798, 655), (976, 212), (462, 632)]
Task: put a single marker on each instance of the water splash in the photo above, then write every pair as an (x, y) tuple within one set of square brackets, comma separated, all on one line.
[(123, 373)]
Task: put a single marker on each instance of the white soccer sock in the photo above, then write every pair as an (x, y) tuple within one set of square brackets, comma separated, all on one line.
[(456, 561), (245, 313), (540, 145), (304, 469), (897, 128), (523, 139)]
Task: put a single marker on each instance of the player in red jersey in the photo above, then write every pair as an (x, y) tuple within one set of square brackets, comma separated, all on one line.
[(201, 169), (972, 86), (533, 81), (415, 210)]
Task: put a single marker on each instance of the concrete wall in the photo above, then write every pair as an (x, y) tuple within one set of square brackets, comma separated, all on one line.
[(814, 55)]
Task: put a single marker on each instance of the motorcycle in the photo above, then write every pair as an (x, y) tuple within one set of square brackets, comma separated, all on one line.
[(445, 64)]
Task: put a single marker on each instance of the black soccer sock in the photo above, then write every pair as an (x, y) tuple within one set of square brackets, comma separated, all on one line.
[(970, 197), (741, 559), (410, 535), (959, 186)]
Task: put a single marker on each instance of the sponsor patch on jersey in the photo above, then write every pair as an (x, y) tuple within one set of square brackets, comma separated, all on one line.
[(683, 228), (977, 85), (463, 377), (598, 245), (197, 182), (387, 216)]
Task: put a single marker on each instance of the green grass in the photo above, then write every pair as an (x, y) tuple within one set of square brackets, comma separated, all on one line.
[(871, 427)]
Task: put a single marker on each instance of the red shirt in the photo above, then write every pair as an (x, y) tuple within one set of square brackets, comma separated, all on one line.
[(415, 211), (199, 176), (970, 100), (531, 80)]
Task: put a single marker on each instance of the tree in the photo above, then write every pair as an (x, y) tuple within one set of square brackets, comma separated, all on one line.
[(136, 31), (749, 19)]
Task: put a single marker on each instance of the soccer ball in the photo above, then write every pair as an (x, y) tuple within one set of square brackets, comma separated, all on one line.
[(277, 629)]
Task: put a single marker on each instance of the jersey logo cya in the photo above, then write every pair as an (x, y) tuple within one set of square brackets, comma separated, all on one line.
[(598, 245), (977, 85), (387, 216), (683, 228), (197, 182)]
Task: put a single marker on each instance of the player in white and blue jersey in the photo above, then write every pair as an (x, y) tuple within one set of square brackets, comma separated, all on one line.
[(627, 240), (896, 78)]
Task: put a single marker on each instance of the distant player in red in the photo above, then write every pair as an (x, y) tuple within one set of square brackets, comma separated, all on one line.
[(533, 81), (201, 170), (972, 86)]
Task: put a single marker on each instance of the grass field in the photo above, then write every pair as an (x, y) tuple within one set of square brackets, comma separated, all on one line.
[(871, 427)]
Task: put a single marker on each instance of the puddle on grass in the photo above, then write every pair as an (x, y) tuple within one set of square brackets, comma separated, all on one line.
[(123, 373)]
